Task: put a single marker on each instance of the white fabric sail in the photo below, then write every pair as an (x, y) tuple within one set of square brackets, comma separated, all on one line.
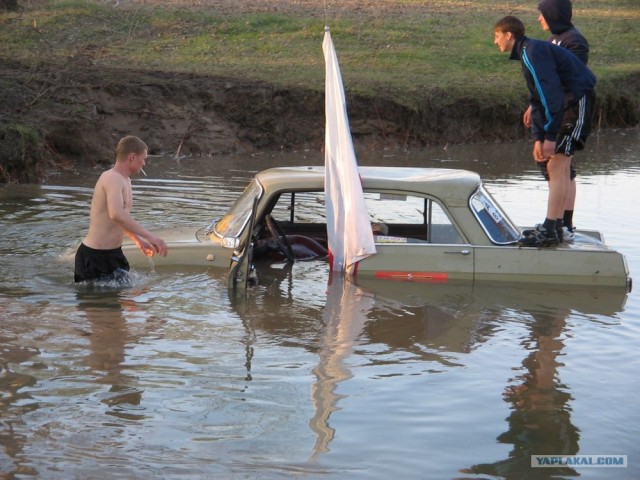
[(348, 226)]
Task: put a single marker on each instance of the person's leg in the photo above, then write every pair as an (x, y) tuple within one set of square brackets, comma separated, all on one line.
[(559, 185), (570, 203), (565, 224), (577, 120), (545, 234), (571, 199)]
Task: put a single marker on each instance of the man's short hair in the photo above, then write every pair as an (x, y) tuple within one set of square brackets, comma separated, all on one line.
[(509, 24), (130, 144)]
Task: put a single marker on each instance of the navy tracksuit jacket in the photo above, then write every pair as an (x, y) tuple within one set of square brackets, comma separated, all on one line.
[(556, 78)]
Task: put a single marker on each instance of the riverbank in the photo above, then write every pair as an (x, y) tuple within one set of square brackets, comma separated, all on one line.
[(67, 98)]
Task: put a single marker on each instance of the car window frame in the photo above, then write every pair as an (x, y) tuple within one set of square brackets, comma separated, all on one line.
[(494, 221)]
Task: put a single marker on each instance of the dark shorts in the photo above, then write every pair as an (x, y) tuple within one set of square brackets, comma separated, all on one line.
[(92, 264), (545, 172), (576, 127)]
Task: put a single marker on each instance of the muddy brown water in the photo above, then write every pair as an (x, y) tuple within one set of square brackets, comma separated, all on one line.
[(173, 377)]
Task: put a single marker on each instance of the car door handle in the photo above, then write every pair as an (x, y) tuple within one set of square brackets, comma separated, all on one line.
[(461, 252)]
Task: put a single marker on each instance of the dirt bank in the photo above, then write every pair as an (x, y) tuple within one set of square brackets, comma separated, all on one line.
[(53, 117)]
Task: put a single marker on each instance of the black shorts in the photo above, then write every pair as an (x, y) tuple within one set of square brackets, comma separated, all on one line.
[(93, 264), (576, 126), (545, 171)]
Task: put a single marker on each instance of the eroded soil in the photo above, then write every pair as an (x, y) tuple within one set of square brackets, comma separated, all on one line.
[(53, 116)]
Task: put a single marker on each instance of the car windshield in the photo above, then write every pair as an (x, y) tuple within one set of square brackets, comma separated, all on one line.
[(493, 220), (233, 223)]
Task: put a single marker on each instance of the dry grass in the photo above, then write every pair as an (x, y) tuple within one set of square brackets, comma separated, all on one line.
[(402, 48), (329, 9)]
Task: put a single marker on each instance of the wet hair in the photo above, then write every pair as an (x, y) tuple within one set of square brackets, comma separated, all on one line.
[(509, 24), (130, 144)]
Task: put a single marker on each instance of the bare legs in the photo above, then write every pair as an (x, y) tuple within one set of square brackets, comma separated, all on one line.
[(571, 199), (561, 194), (561, 189)]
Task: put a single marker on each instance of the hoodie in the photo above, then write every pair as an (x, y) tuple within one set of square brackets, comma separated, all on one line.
[(557, 14)]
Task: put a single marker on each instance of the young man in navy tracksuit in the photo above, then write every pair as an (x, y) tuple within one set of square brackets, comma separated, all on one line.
[(555, 17), (561, 98)]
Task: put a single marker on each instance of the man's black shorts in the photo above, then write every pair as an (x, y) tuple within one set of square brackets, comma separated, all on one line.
[(93, 264), (576, 126)]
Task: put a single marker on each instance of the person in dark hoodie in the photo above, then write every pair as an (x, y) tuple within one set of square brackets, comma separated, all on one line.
[(555, 17), (561, 97)]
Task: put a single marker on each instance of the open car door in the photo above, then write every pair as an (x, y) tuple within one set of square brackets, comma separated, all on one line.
[(241, 271)]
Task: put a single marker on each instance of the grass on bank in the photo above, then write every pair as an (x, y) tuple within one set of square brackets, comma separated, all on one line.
[(436, 46)]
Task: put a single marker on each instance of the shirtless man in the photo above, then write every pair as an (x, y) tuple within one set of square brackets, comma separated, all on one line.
[(100, 254)]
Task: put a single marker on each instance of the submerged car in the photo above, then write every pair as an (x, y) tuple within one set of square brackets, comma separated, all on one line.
[(430, 225)]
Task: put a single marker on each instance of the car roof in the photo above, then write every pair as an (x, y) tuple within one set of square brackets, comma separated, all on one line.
[(453, 186)]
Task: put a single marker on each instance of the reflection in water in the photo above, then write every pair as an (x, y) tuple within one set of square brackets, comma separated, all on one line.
[(13, 402), (540, 420), (458, 318), (104, 309), (92, 386), (436, 323), (108, 337), (344, 319), (240, 302)]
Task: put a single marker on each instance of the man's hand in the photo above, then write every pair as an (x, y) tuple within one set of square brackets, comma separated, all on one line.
[(152, 246), (543, 151), (159, 246), (145, 247), (526, 117)]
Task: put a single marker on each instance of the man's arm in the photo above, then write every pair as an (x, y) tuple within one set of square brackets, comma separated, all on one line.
[(548, 96), (145, 247), (146, 241)]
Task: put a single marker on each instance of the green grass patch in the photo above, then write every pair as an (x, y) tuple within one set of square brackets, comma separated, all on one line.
[(27, 134), (442, 46)]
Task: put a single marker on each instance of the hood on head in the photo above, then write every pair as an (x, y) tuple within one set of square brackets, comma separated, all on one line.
[(557, 13)]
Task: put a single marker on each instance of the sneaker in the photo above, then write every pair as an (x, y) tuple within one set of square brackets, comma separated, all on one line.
[(538, 237), (568, 234), (529, 239)]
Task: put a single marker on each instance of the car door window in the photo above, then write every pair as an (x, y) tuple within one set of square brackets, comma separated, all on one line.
[(300, 208), (411, 217)]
